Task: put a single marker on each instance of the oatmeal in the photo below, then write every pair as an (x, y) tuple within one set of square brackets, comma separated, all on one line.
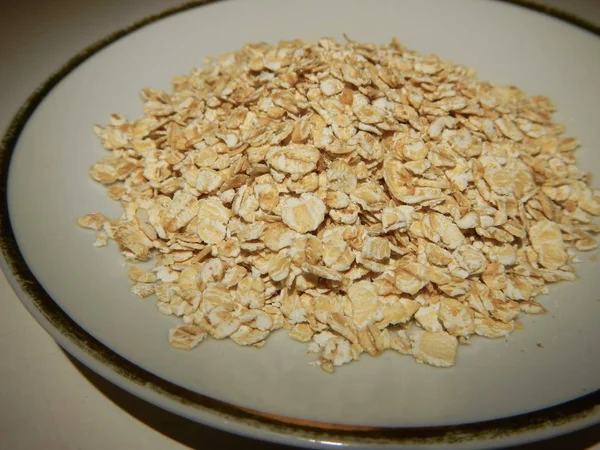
[(364, 198)]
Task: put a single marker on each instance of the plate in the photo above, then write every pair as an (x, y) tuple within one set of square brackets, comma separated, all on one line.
[(501, 391)]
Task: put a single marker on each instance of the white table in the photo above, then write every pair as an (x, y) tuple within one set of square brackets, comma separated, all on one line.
[(48, 400)]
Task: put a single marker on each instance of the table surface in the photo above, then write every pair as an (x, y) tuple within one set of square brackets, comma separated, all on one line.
[(50, 400)]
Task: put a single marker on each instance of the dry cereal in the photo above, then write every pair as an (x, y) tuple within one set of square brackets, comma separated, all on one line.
[(365, 198)]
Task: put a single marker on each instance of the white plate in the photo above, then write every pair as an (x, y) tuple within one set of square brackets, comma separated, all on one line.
[(273, 393)]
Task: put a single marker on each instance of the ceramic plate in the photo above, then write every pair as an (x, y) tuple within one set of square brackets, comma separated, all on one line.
[(500, 392)]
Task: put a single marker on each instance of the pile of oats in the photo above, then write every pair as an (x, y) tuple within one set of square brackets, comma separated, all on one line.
[(361, 197)]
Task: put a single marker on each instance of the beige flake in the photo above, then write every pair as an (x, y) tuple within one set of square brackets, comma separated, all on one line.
[(331, 86), (428, 318), (294, 160), (492, 328), (102, 240), (211, 231), (371, 340), (182, 209), (547, 241), (93, 221), (301, 332), (143, 276), (143, 290), (456, 318), (186, 337), (396, 218), (366, 307), (411, 277), (306, 248), (449, 234), (532, 307), (279, 266), (246, 335), (338, 256), (470, 258), (303, 214), (377, 249), (436, 349), (396, 310), (322, 272)]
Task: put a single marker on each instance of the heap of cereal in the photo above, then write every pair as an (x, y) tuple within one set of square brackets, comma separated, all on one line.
[(361, 197)]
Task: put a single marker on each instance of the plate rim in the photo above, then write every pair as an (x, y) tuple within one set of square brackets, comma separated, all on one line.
[(569, 416)]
